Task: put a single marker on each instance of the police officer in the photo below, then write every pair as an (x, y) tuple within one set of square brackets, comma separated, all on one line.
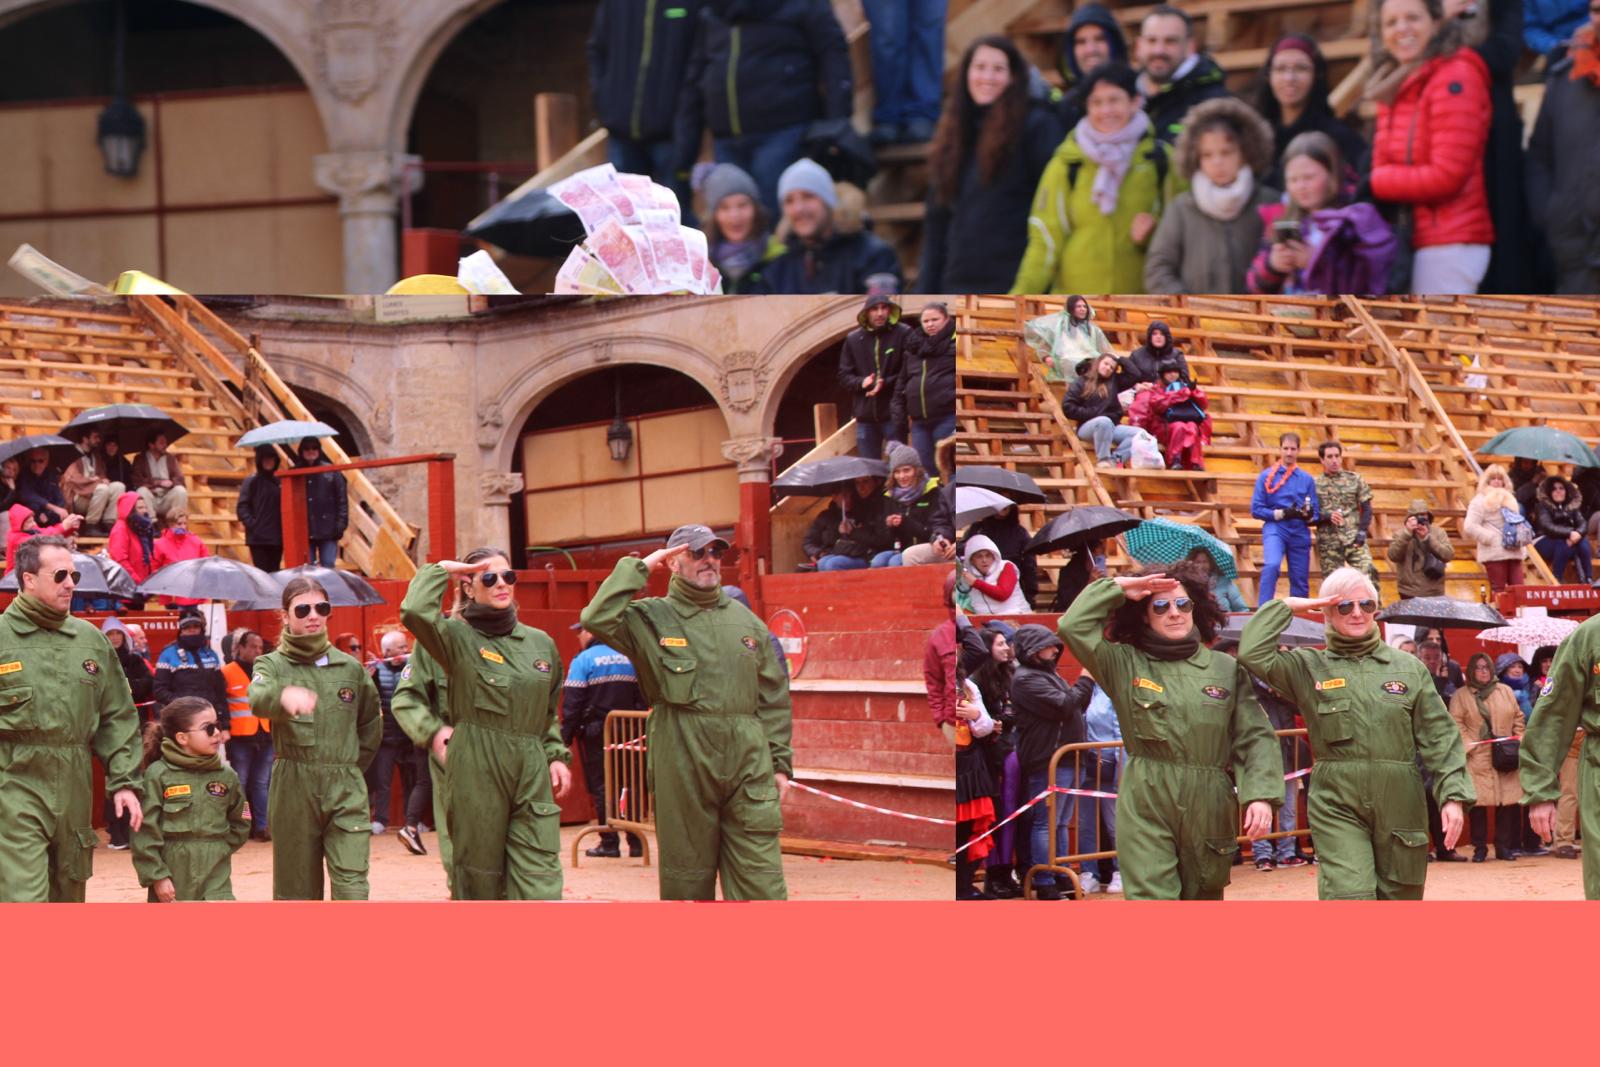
[(421, 706), (720, 723), (62, 696), (1187, 714), (1569, 699), (1345, 527), (325, 729), (1369, 709), (600, 681), (505, 761)]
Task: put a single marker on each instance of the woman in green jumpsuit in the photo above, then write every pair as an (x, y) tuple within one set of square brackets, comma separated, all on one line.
[(1369, 710), (505, 762), (1187, 715)]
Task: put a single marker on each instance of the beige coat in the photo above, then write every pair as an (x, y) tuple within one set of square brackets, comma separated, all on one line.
[(1494, 787), (1483, 524)]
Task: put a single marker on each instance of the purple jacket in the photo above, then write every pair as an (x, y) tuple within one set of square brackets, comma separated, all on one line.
[(1356, 253)]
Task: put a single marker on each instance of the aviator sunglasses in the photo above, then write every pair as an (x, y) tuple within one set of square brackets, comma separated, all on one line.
[(1182, 603), (714, 551), (1367, 607), (489, 578), (62, 575), (321, 607)]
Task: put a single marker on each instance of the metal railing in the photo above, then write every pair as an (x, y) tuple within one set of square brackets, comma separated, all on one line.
[(630, 809)]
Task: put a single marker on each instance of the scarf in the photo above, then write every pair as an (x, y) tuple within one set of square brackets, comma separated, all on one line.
[(1353, 647), (1481, 692), (303, 648), (678, 589), (144, 532), (735, 259), (491, 622), (1281, 482), (908, 494), (188, 761), (38, 612), (1155, 646), (1223, 202), (1585, 57), (1112, 155)]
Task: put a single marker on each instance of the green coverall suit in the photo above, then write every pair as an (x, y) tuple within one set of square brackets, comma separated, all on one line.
[(194, 822), (1570, 698), (1368, 712), (317, 801), (420, 706), (62, 694), (718, 731), (504, 693), (1184, 722)]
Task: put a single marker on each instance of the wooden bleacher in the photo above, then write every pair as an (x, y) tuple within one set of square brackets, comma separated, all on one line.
[(1385, 378)]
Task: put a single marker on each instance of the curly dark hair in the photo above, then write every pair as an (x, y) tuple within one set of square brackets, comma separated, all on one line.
[(1128, 625), (964, 130)]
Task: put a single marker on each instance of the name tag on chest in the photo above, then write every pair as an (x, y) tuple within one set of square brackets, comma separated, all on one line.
[(491, 655)]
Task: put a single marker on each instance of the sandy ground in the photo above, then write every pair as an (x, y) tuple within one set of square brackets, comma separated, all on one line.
[(398, 875)]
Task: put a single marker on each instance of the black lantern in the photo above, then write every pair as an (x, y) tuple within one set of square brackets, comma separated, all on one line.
[(120, 131), (619, 438)]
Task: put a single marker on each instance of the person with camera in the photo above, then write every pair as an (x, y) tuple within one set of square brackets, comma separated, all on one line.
[(1420, 554), (1486, 713), (1346, 522), (1285, 500)]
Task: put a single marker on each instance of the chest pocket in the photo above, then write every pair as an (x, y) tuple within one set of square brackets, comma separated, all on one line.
[(17, 709), (178, 815), (494, 693), (677, 679), (1336, 722), (1149, 718)]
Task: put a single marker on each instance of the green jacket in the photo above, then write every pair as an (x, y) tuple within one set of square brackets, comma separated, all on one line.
[(345, 728), (1381, 706), (1201, 711), (65, 687), (1072, 246), (419, 703), (1570, 699), (511, 683), (716, 661), (195, 804)]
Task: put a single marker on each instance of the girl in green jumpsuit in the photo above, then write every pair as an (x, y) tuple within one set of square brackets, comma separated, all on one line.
[(1369, 709), (505, 762), (325, 729), (1187, 714)]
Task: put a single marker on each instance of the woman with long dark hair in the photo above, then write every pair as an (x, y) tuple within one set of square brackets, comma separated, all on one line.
[(988, 154), (1291, 93)]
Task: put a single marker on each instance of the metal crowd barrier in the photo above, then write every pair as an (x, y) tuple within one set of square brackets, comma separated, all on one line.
[(629, 806)]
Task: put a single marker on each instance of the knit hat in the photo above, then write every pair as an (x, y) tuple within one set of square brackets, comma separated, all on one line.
[(810, 177), (725, 180), (904, 456)]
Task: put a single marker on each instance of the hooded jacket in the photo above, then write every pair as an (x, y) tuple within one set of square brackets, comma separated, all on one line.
[(1143, 364), (327, 499), (21, 513), (880, 353), (1554, 520), (1483, 522), (927, 389), (1010, 539), (1352, 255), (171, 548), (1049, 712), (1171, 103), (125, 546), (261, 504), (1071, 107), (999, 590), (638, 53), (134, 668)]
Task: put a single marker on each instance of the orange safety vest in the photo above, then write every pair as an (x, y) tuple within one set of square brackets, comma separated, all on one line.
[(240, 722)]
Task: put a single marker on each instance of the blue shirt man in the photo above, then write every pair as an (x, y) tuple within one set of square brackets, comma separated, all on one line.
[(601, 680), (1285, 500)]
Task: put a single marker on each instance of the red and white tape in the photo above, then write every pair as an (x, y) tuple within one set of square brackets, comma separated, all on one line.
[(869, 807), (1301, 773), (1490, 741)]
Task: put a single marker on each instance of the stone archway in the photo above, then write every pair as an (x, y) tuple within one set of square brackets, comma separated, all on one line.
[(819, 327)]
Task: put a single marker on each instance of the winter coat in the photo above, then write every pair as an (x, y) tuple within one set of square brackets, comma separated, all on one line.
[(1352, 251), (1071, 108), (260, 508), (927, 388), (170, 549), (39, 491), (1010, 539), (124, 545), (1554, 520), (1352, 146), (1546, 24), (1144, 365), (880, 353), (1493, 787), (997, 591), (916, 525), (1192, 252), (1072, 246), (182, 673), (1563, 160), (942, 523), (21, 513), (1049, 712), (1428, 151), (1205, 81), (1513, 262), (756, 67), (851, 259), (868, 538), (1405, 552), (637, 56), (327, 502), (142, 476), (1149, 413), (1080, 405), (1483, 524), (974, 243)]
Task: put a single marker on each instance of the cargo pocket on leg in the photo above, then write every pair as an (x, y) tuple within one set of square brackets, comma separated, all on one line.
[(757, 809), (83, 863), (1216, 864), (1408, 856), (546, 826)]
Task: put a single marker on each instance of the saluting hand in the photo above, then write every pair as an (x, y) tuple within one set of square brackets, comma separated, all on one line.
[(126, 802), (1137, 588), (297, 700), (1257, 820), (1312, 603), (560, 780), (1451, 819), (661, 555), (457, 569)]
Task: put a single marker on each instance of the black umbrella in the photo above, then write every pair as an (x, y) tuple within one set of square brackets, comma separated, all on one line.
[(824, 477), (345, 590), (133, 425), (1019, 487), (94, 580), (1079, 526), (62, 451), (1441, 611), (1301, 633), (534, 224), (843, 152), (212, 578)]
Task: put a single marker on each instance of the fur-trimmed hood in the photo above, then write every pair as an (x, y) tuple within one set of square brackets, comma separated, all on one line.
[(1574, 499), (1252, 131)]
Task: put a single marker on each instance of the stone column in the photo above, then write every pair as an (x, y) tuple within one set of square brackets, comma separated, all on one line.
[(369, 184), (497, 489), (754, 455)]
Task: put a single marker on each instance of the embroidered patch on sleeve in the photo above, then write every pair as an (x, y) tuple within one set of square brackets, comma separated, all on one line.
[(1396, 688)]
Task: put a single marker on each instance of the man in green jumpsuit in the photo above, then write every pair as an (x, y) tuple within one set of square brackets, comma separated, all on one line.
[(326, 727), (1570, 698), (421, 706), (62, 697), (1345, 501), (1187, 715), (720, 720), (1368, 709)]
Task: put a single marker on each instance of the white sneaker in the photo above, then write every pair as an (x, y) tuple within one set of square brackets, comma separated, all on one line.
[(1116, 882), (378, 827), (1089, 882)]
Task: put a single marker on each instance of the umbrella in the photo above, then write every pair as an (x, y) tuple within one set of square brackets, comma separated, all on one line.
[(1541, 442), (1531, 630), (95, 578), (534, 224), (974, 503), (345, 589), (62, 451), (1441, 611), (1301, 633), (285, 432), (1018, 487), (212, 578), (132, 425), (824, 477), (1080, 525), (1165, 541)]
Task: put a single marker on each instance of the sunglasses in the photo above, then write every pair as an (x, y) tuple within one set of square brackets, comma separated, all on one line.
[(1367, 607), (210, 729), (1182, 603), (714, 551), (321, 607), (62, 575), (490, 578)]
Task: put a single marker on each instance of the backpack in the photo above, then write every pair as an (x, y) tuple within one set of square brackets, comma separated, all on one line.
[(1515, 531)]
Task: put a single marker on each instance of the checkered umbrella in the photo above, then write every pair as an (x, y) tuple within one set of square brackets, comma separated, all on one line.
[(1165, 541), (1531, 630)]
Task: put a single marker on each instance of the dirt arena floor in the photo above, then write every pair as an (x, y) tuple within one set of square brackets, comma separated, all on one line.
[(398, 875)]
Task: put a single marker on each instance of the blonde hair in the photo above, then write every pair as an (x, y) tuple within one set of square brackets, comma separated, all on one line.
[(1345, 581)]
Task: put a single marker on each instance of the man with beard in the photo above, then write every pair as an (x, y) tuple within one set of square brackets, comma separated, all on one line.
[(720, 721), (1174, 77)]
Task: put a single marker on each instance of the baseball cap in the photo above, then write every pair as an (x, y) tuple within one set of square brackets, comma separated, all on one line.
[(695, 536)]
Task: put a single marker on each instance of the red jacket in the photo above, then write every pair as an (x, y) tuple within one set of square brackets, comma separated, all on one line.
[(21, 513), (1442, 110), (123, 544), (173, 549), (939, 672)]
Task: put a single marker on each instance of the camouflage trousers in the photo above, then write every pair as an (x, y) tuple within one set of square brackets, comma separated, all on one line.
[(1333, 554)]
